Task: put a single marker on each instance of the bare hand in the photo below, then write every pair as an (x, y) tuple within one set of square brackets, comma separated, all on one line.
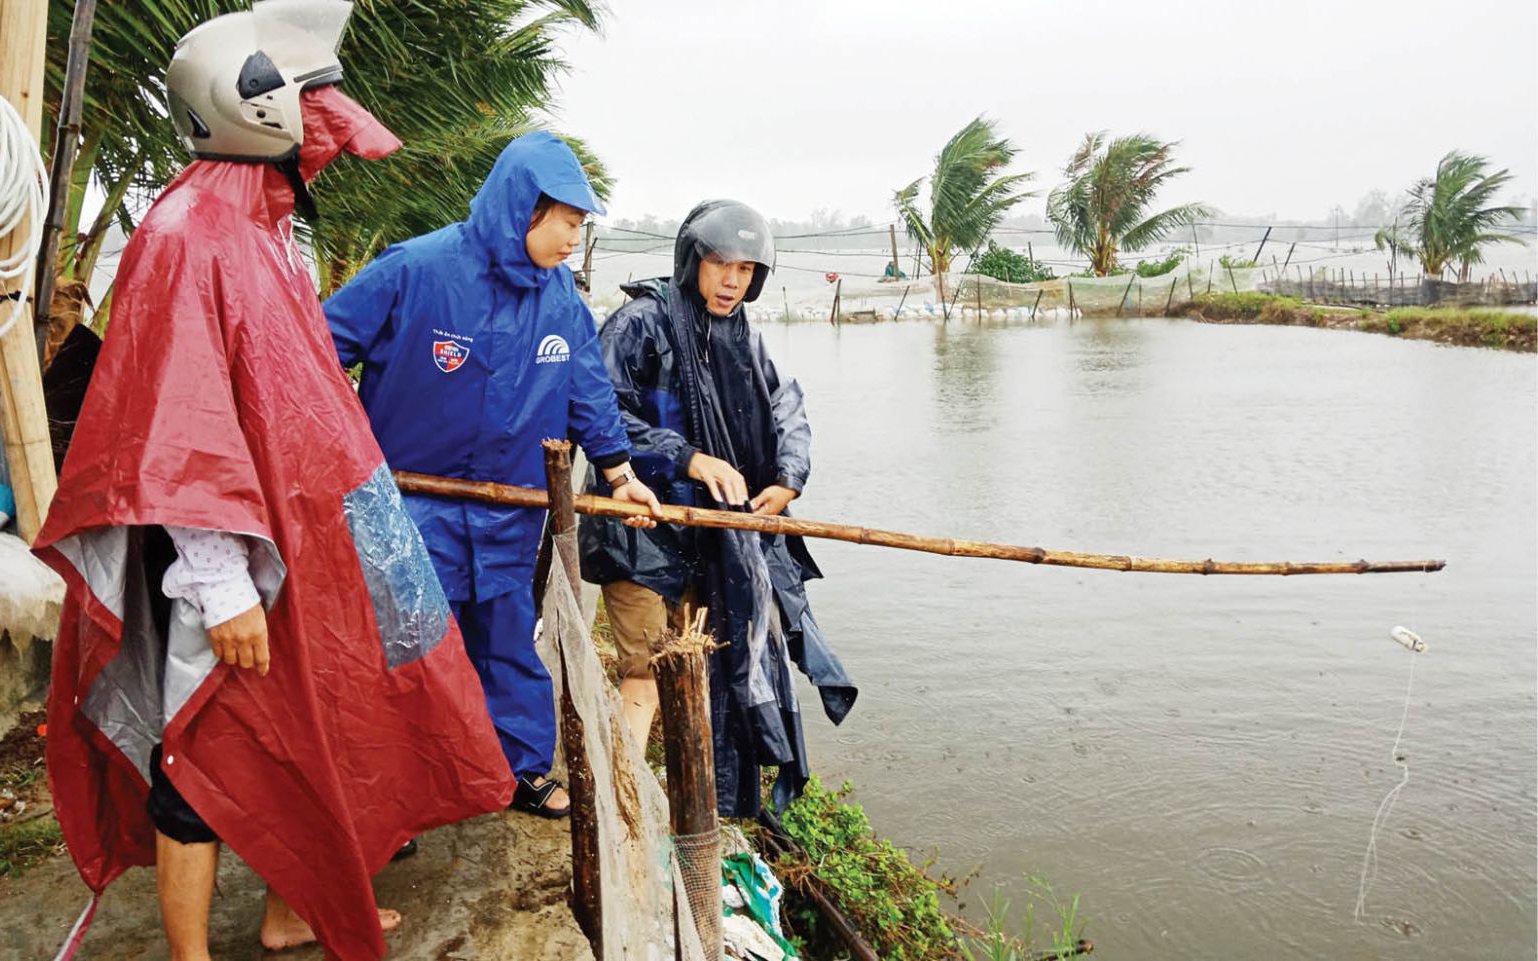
[(725, 483), (638, 493), (772, 500), (241, 641)]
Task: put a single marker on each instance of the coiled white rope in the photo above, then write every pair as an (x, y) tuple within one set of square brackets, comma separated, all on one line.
[(23, 202)]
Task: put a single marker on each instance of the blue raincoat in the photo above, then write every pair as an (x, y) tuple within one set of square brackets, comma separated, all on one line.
[(471, 356)]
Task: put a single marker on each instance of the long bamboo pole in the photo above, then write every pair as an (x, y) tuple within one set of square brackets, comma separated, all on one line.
[(413, 483)]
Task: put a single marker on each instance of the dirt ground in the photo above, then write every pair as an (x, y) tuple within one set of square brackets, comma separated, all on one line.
[(490, 889)]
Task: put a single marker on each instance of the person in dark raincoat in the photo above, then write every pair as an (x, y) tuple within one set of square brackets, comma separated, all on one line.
[(253, 647), (475, 347), (714, 424)]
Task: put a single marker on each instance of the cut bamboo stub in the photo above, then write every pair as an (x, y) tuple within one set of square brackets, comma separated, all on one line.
[(413, 483)]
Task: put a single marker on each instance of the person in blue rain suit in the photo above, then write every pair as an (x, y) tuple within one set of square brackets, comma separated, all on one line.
[(715, 424), (474, 347)]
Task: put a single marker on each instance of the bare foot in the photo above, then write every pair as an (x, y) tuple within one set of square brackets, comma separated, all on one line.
[(558, 800), (282, 928)]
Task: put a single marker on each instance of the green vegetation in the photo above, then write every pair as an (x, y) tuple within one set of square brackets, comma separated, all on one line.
[(28, 844), (1447, 325), (1230, 262), (1103, 208), (994, 943), (456, 85), (1158, 268), (968, 196), (1451, 217), (893, 903), (1010, 266)]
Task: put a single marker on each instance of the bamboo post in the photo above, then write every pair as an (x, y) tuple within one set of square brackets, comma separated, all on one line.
[(1037, 304), (838, 289), (588, 243), (1069, 285), (28, 449), (494, 493), (977, 282), (683, 695), (1209, 276), (897, 265), (1190, 290), (1171, 298), (66, 143), (1231, 282), (1289, 255), (1262, 245), (1121, 307), (586, 895), (898, 315), (786, 294)]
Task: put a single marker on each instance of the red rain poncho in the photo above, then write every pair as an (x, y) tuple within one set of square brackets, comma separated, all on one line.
[(218, 403)]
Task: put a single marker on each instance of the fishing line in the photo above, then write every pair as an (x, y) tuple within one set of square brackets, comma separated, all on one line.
[(1411, 642)]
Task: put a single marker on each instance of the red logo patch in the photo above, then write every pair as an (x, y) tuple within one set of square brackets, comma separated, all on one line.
[(449, 356)]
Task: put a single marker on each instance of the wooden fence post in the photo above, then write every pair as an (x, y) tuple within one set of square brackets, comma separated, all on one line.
[(683, 695), (1121, 307), (1171, 298), (838, 290), (28, 448), (586, 895), (897, 265)]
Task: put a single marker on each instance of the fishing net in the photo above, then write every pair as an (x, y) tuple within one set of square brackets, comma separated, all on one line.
[(639, 869), (699, 865)]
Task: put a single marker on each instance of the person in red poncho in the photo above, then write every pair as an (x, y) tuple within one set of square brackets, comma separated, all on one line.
[(254, 648)]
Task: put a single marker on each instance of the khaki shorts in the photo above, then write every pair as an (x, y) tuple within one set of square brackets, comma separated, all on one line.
[(637, 617)]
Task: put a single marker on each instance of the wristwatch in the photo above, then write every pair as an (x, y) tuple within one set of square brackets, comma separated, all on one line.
[(625, 476)]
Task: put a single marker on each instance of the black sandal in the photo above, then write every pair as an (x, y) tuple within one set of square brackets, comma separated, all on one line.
[(533, 799)]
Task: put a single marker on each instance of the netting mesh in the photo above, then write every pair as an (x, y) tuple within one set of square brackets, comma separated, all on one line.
[(699, 864), (638, 871), (967, 294)]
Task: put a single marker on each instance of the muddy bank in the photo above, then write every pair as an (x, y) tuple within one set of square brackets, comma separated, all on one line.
[(489, 889), (1459, 326)]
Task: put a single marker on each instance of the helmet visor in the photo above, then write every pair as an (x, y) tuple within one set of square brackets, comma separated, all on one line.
[(731, 233), (322, 20)]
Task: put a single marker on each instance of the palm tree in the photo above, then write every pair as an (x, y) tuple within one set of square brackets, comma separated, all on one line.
[(1451, 217), (455, 80), (1103, 208), (968, 196)]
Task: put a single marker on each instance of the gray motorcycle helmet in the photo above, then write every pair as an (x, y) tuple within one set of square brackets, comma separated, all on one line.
[(234, 81), (726, 229)]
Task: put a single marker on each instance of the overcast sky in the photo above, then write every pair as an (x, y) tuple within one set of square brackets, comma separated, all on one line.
[(1283, 109)]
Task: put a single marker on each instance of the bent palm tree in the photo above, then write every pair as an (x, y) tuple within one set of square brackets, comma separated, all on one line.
[(968, 196), (1451, 217), (1103, 208), (456, 82)]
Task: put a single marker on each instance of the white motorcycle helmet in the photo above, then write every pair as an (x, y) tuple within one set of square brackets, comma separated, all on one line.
[(234, 81)]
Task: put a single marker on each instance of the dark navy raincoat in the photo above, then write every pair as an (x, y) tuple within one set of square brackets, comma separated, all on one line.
[(690, 382)]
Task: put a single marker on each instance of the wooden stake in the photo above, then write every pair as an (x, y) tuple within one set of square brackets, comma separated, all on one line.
[(66, 144), (1121, 307), (683, 695), (1037, 304), (586, 895), (1262, 245), (589, 242), (897, 265), (1171, 298), (28, 449), (699, 517), (838, 289)]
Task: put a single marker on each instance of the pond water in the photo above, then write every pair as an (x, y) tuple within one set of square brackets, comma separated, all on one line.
[(1199, 758)]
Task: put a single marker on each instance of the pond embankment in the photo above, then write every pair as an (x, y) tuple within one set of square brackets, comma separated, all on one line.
[(1459, 326)]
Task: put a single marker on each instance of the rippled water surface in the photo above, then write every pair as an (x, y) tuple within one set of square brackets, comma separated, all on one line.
[(1199, 758)]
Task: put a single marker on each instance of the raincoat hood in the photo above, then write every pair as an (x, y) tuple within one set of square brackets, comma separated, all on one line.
[(534, 164)]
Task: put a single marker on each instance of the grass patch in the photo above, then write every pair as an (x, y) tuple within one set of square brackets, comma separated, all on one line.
[(1462, 326), (1058, 922), (28, 844)]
